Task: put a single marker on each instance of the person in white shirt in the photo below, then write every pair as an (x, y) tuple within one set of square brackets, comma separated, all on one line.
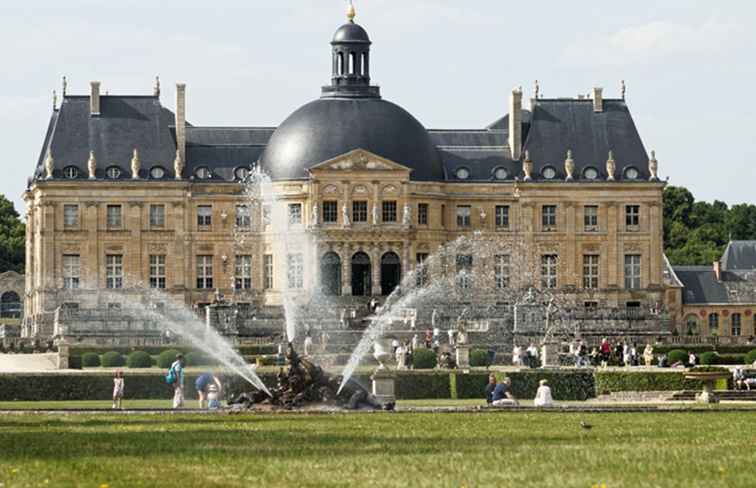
[(517, 356), (532, 355), (308, 345), (401, 357), (543, 395)]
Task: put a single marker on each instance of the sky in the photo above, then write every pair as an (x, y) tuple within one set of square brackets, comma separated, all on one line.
[(688, 65)]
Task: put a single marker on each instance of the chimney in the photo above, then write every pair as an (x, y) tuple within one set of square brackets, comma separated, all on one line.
[(718, 270), (515, 123), (181, 119), (598, 99), (94, 98)]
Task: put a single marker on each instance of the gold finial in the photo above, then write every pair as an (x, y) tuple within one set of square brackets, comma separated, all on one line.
[(351, 13)]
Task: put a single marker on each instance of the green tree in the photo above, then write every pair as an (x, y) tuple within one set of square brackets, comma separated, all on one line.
[(12, 238)]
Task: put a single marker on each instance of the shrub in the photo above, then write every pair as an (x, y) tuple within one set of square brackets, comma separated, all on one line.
[(677, 355), (74, 362), (139, 359), (614, 381), (731, 359), (195, 358), (90, 360), (710, 357), (750, 357), (166, 358), (708, 369), (413, 386), (113, 359), (424, 359), (479, 358)]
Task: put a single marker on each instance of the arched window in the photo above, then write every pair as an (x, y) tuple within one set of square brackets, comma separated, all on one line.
[(330, 274), (352, 63), (713, 322), (735, 323), (10, 305), (364, 66), (340, 62), (691, 325)]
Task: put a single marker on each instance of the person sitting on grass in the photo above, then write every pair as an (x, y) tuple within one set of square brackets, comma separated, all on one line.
[(202, 385), (502, 395), (118, 389), (543, 395), (490, 388)]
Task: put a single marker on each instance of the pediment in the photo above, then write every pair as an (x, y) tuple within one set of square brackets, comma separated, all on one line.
[(359, 160)]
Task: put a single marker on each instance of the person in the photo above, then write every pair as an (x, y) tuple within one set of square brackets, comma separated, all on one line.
[(532, 351), (543, 395), (490, 388), (517, 355), (415, 341), (626, 356), (213, 397), (738, 378), (502, 394), (634, 355), (177, 372), (594, 356), (576, 350), (648, 354), (408, 357), (451, 334), (399, 352), (606, 351), (691, 359), (373, 305), (428, 338), (394, 345), (118, 384), (618, 353), (202, 385), (307, 345)]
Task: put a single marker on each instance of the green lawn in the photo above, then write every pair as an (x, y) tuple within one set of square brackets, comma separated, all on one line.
[(680, 449)]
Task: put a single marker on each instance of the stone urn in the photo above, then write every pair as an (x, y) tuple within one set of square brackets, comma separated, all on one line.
[(382, 352), (708, 378)]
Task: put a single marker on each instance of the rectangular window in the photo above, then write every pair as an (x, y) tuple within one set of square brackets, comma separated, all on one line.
[(204, 217), (549, 270), (421, 270), (243, 273), (389, 211), (463, 216), (71, 271), (205, 272), (549, 217), (443, 216), (114, 307), (359, 212), (501, 270), (157, 215), (113, 214), (243, 217), (502, 216), (590, 305), (590, 218), (464, 270), (266, 214), (422, 214), (70, 216), (632, 271), (157, 271), (632, 217), (330, 212), (268, 271), (590, 271), (295, 271), (295, 213), (735, 324), (114, 271)]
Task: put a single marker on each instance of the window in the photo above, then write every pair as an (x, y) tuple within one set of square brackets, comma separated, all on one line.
[(204, 272), (330, 212), (243, 273), (443, 216), (268, 271), (590, 271), (157, 215), (590, 305), (295, 213), (735, 323), (501, 270), (70, 216), (421, 269), (352, 63), (462, 173), (157, 172), (157, 271), (632, 271), (71, 271), (549, 172), (389, 211), (114, 271), (243, 217), (113, 172), (266, 214), (590, 173), (632, 216), (203, 173), (204, 217), (549, 270), (71, 307), (501, 173), (463, 216), (114, 216), (691, 325), (340, 62), (71, 172), (713, 322), (295, 271), (464, 270), (501, 215), (114, 307), (359, 211), (548, 217), (241, 174), (590, 218), (632, 173), (364, 64), (422, 214)]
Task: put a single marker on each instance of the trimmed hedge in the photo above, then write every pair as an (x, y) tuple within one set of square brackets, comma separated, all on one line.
[(677, 355), (198, 359), (416, 386), (699, 349), (731, 359), (424, 359), (90, 360), (113, 359), (139, 359), (614, 381), (166, 358), (710, 357), (568, 385), (750, 357), (479, 358)]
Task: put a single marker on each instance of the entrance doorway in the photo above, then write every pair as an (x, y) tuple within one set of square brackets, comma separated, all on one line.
[(330, 274), (391, 273), (361, 281)]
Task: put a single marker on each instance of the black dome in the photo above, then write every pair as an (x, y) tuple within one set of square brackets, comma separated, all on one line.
[(350, 32), (330, 127)]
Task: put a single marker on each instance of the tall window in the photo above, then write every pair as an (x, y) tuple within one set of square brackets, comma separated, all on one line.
[(632, 271), (243, 273), (463, 215), (157, 215), (464, 270), (157, 271), (713, 322), (549, 270), (243, 217), (422, 214), (502, 216), (204, 217), (735, 323), (113, 216), (70, 216), (389, 211), (330, 212), (421, 269), (266, 212), (114, 271), (295, 271), (548, 217), (268, 271), (204, 272), (71, 271), (632, 216), (501, 270), (590, 218), (590, 271), (295, 213), (359, 211)]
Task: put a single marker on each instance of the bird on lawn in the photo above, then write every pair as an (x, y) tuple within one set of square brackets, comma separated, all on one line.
[(585, 425)]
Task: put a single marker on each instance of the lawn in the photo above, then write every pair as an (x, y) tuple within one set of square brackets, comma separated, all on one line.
[(680, 449)]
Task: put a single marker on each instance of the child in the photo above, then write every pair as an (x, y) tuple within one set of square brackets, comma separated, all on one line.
[(117, 389), (212, 397)]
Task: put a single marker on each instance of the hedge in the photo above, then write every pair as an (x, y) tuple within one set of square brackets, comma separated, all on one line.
[(139, 359), (677, 355), (710, 357), (195, 358), (167, 357), (424, 359), (700, 349), (568, 385), (614, 381), (750, 357), (113, 359), (479, 358), (90, 360)]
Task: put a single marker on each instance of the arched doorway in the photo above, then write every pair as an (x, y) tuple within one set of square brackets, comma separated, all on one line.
[(10, 305), (330, 274), (361, 281), (391, 272)]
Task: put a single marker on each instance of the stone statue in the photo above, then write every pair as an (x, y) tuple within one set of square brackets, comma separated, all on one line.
[(92, 165), (569, 165), (178, 165), (482, 215), (345, 215), (407, 215), (49, 164), (315, 220), (611, 167), (461, 334), (527, 166), (653, 167), (136, 164), (434, 316), (375, 215)]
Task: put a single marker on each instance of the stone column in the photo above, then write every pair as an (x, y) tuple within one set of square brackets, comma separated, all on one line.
[(375, 265), (346, 252), (655, 229)]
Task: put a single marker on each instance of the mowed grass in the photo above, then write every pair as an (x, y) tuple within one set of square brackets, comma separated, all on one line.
[(680, 449)]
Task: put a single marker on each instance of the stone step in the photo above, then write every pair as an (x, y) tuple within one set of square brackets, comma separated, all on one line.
[(736, 395)]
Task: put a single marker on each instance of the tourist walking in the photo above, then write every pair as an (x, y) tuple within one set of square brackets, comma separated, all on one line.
[(543, 395), (626, 356), (606, 352), (532, 355), (490, 388), (202, 385), (118, 385), (176, 373)]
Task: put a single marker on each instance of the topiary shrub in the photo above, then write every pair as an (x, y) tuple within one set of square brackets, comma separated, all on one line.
[(710, 357), (167, 358), (90, 360), (479, 358), (750, 357), (139, 359), (677, 355), (424, 359), (113, 359), (198, 359), (731, 359)]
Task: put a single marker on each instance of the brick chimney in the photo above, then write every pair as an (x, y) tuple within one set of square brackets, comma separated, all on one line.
[(718, 270), (94, 98), (181, 119), (598, 99), (515, 123)]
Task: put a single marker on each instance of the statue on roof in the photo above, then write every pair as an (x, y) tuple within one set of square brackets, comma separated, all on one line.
[(611, 166), (92, 165)]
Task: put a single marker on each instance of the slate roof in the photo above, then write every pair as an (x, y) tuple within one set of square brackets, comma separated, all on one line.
[(739, 256), (700, 285)]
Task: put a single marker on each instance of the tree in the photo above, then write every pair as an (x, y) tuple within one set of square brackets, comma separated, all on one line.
[(12, 238)]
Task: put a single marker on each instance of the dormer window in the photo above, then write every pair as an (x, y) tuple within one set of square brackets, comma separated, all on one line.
[(71, 172), (113, 173), (549, 172), (631, 173), (590, 173), (241, 173), (157, 172), (501, 173), (462, 173), (203, 173)]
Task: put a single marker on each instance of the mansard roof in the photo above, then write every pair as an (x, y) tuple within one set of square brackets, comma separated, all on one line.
[(739, 256)]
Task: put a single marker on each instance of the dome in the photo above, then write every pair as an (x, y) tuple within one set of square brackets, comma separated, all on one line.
[(329, 127), (350, 32)]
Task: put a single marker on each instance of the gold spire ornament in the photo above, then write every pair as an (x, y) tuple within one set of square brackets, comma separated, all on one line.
[(611, 166), (92, 165), (351, 12), (136, 164)]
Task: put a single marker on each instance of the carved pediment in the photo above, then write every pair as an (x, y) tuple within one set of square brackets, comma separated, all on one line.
[(359, 160)]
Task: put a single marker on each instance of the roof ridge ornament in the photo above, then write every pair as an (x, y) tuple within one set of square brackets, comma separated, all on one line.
[(623, 88), (611, 166), (55, 101), (537, 90), (178, 165), (156, 88), (351, 13), (569, 165), (653, 167), (65, 85), (136, 164), (527, 166), (92, 165), (49, 164)]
